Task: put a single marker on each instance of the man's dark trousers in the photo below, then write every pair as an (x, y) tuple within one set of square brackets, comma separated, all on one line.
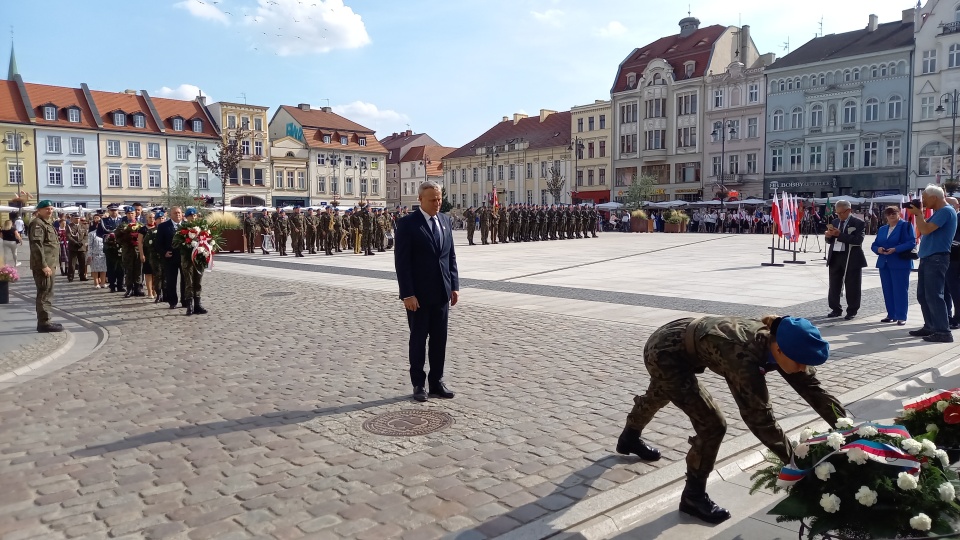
[(851, 286), (171, 271), (428, 321)]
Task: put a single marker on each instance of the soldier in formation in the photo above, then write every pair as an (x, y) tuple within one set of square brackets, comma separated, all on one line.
[(265, 226), (191, 275), (470, 216), (484, 224), (281, 227), (249, 230), (310, 221), (128, 235), (325, 230), (298, 228)]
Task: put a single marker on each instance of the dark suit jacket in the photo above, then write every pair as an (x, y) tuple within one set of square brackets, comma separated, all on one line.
[(853, 240), (422, 270), (902, 239), (165, 233)]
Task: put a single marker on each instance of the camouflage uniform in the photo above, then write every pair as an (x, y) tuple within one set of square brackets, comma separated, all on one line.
[(265, 227), (484, 224), (504, 228), (470, 216), (367, 231), (737, 349), (249, 230), (281, 226), (356, 229), (325, 232), (44, 253), (310, 223), (298, 226), (494, 224)]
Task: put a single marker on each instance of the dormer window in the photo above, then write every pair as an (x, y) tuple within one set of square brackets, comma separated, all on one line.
[(689, 68), (178, 124), (363, 141), (50, 113), (139, 120), (631, 80), (326, 139), (197, 126), (73, 115), (343, 140), (119, 119)]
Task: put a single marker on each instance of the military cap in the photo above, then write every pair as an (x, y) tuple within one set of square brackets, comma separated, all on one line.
[(190, 212), (99, 211), (296, 207), (113, 206), (74, 214), (44, 203), (801, 341)]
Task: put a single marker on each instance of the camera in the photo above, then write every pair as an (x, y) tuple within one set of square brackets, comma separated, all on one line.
[(912, 204)]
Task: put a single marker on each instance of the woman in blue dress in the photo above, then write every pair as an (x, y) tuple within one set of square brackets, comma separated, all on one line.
[(894, 242)]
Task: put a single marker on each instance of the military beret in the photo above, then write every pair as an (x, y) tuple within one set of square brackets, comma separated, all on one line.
[(296, 207), (801, 341), (129, 210), (159, 214), (113, 206), (44, 203), (190, 212)]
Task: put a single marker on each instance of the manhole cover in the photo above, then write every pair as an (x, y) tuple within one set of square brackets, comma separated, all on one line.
[(407, 423)]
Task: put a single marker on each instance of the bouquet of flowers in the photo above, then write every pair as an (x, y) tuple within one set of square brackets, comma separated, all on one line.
[(9, 274), (866, 481), (128, 234), (937, 416), (196, 237)]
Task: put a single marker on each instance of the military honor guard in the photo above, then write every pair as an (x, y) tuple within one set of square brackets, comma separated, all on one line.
[(107, 231), (249, 230), (44, 256), (77, 247), (128, 236), (192, 274), (298, 228)]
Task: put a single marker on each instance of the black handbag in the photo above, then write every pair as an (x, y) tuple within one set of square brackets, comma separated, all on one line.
[(911, 255)]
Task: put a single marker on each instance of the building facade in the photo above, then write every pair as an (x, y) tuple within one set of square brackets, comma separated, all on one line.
[(17, 145), (290, 159), (397, 145), (253, 182), (658, 99), (838, 119), (346, 161), (190, 134), (592, 157), (419, 164), (516, 157)]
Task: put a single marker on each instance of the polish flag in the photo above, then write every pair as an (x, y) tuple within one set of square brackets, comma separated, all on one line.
[(775, 214)]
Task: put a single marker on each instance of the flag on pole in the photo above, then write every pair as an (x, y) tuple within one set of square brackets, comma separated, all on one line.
[(829, 209), (775, 214), (494, 197)]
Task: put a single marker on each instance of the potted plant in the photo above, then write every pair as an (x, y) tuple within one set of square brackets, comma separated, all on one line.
[(8, 274), (673, 221), (951, 185), (228, 231), (937, 416), (867, 481), (639, 221)]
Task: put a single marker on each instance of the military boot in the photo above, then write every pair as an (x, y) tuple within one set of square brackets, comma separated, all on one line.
[(138, 290), (197, 308), (129, 292), (695, 501), (189, 306), (631, 443)]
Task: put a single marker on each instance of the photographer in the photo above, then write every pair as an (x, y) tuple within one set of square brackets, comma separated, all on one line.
[(937, 237)]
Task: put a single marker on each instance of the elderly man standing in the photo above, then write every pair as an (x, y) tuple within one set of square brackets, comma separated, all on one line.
[(845, 260), (77, 233), (44, 257), (935, 242)]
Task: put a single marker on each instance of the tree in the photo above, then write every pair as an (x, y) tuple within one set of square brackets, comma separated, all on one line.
[(181, 196), (641, 188), (555, 184), (228, 158), (446, 205)]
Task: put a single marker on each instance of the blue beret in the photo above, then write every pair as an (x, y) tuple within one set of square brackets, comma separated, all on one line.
[(158, 214), (800, 340), (190, 212), (296, 206), (128, 209)]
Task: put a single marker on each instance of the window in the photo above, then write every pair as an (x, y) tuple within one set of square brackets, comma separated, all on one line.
[(870, 153), (782, 85), (796, 118), (73, 115), (816, 157), (245, 122), (590, 124), (54, 175), (656, 108), (278, 180), (362, 141), (301, 180), (258, 124), (871, 111), (751, 164), (50, 113), (656, 139), (776, 160), (893, 152), (133, 178), (348, 184), (628, 144), (348, 161), (183, 179), (926, 107), (929, 62), (114, 177), (203, 181), (543, 169), (197, 126), (789, 84), (850, 112), (133, 149), (153, 150), (258, 148), (290, 181), (53, 145), (603, 148), (76, 145), (796, 158), (816, 116), (529, 196), (258, 177), (153, 179), (79, 177), (326, 139), (463, 175), (231, 122), (602, 177), (14, 142), (733, 163), (856, 74), (883, 71), (499, 172), (322, 184), (894, 107), (476, 175), (603, 121), (778, 120), (718, 98), (753, 93), (848, 157), (343, 141), (183, 152), (579, 178), (686, 137), (628, 113), (513, 172), (119, 119), (113, 148), (753, 128), (579, 124), (245, 147), (334, 184), (489, 173), (847, 75), (717, 166), (244, 176), (476, 199), (686, 104)]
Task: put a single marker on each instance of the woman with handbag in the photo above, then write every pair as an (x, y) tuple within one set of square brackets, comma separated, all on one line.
[(894, 247)]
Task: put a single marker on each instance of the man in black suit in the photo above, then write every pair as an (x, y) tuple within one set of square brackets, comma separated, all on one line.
[(170, 257), (845, 260), (426, 266)]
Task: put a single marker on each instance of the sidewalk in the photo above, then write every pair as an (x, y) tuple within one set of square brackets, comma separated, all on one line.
[(20, 343), (656, 516)]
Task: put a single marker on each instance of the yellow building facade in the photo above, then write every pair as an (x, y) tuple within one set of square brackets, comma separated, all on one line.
[(19, 158), (253, 183), (592, 156)]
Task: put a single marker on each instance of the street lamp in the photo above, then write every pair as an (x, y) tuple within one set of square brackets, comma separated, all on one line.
[(493, 154), (335, 159), (719, 132), (18, 139), (362, 168), (576, 145), (952, 98)]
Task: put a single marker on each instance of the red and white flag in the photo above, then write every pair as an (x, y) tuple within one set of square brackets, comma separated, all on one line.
[(777, 218)]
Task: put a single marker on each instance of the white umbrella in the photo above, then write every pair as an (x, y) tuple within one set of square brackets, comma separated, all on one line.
[(887, 199), (612, 205)]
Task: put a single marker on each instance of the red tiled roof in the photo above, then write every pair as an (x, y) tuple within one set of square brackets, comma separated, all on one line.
[(676, 50), (318, 118), (397, 141), (12, 108), (314, 139), (62, 97), (434, 155), (188, 110), (553, 131), (108, 102)]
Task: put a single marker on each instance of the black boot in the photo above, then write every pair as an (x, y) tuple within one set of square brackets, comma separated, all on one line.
[(138, 290), (128, 293), (631, 443), (695, 501), (197, 308), (189, 307)]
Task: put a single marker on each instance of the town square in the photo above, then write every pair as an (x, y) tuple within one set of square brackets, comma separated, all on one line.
[(342, 270)]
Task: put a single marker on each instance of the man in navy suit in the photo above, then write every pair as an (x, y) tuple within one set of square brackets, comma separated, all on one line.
[(170, 257), (845, 260), (426, 266)]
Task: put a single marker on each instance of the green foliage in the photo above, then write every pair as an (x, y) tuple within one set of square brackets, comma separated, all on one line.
[(641, 189), (446, 205), (638, 214), (675, 216), (179, 196), (916, 421), (555, 184)]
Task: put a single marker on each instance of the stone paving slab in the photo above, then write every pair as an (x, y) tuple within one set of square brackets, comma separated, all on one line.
[(20, 343)]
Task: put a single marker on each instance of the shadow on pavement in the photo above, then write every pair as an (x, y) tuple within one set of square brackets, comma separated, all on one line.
[(213, 429)]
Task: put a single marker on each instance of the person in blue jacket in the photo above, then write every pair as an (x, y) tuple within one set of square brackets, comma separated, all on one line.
[(893, 239)]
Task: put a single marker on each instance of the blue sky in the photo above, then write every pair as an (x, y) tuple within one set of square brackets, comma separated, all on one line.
[(449, 68)]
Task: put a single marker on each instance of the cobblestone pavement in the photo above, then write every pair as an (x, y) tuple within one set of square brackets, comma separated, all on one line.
[(247, 422), (20, 344)]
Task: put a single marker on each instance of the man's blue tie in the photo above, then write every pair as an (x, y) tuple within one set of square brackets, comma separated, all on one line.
[(436, 232)]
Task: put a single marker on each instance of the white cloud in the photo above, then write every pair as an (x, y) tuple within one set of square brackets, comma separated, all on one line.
[(203, 10), (184, 91), (369, 115), (612, 29), (550, 16), (295, 27)]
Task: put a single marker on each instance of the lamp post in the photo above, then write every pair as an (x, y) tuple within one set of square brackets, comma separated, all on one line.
[(492, 152), (576, 145), (722, 133), (951, 98), (361, 167), (335, 159), (18, 139)]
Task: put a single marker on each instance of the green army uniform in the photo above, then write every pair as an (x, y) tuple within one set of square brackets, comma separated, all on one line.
[(192, 277), (592, 221), (504, 226), (484, 224), (494, 225), (366, 231), (343, 234), (325, 232), (542, 223), (356, 229), (470, 216), (44, 253), (310, 228), (514, 223), (249, 231), (128, 235), (383, 225), (156, 263), (297, 230), (77, 250), (281, 228), (266, 227)]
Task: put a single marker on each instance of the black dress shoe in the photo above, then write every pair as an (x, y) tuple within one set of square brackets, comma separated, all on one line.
[(850, 316), (955, 326), (631, 443), (943, 337), (441, 391), (887, 319), (50, 327), (901, 323), (923, 332), (834, 314), (419, 393)]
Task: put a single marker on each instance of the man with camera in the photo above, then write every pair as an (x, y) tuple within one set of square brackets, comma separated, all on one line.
[(845, 260), (935, 241)]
